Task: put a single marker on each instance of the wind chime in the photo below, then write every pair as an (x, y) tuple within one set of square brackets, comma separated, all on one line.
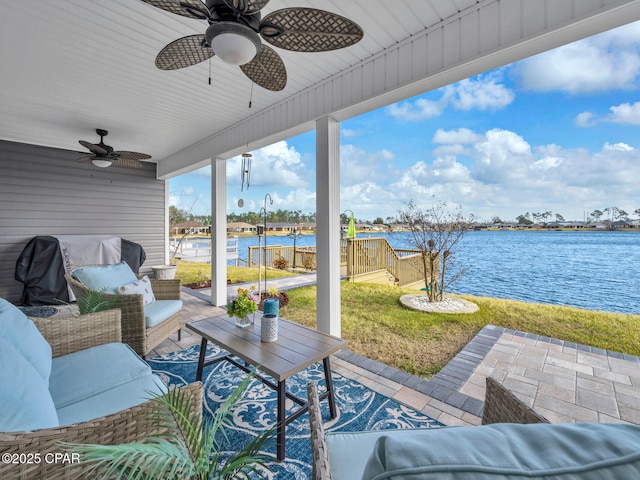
[(245, 175)]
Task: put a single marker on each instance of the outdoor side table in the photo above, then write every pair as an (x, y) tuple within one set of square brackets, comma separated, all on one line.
[(297, 348)]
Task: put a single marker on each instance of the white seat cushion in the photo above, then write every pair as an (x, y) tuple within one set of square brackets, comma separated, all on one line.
[(119, 398), (349, 451), (25, 401), (157, 312), (87, 373), (22, 333), (506, 451)]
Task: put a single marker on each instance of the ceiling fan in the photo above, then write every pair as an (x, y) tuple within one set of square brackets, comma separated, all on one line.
[(104, 156), (235, 31)]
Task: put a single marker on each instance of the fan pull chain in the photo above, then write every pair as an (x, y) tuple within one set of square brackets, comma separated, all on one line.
[(251, 95), (209, 70)]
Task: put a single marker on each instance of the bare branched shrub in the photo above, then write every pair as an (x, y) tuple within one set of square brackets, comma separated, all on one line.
[(436, 232)]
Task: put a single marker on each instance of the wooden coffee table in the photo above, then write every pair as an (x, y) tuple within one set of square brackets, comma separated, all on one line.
[(297, 347)]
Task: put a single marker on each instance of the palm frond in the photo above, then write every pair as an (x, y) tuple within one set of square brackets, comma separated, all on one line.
[(159, 458), (185, 447), (93, 301), (249, 458)]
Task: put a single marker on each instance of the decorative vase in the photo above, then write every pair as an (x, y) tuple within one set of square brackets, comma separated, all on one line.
[(245, 321), (271, 306), (269, 328)]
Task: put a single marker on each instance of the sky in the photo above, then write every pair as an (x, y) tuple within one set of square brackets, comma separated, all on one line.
[(559, 132)]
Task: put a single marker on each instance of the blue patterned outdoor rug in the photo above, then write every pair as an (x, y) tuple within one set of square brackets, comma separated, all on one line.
[(359, 408)]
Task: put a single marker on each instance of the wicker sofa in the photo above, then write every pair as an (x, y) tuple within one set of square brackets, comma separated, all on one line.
[(138, 331), (513, 442), (122, 387)]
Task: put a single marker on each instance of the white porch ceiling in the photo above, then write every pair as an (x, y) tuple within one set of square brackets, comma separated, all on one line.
[(70, 66)]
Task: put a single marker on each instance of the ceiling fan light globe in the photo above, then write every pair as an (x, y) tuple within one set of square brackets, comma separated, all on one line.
[(101, 162), (233, 43)]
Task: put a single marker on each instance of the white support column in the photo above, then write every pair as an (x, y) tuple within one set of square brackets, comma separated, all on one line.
[(328, 224), (219, 232), (167, 225)]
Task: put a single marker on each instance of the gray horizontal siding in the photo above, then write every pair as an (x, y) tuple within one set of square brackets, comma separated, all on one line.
[(45, 191)]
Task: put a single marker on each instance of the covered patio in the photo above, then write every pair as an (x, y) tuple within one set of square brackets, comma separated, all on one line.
[(71, 67)]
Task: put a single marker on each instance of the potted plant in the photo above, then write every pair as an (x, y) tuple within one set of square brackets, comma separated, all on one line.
[(273, 292), (93, 301), (242, 306), (189, 448)]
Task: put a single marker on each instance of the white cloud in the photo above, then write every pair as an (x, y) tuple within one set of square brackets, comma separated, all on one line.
[(358, 165), (617, 147), (546, 163), (586, 119), (277, 165), (350, 133), (368, 200), (480, 94), (453, 149), (483, 92), (601, 63), (188, 198), (461, 135), (625, 113), (300, 199), (419, 109), (505, 176), (501, 156)]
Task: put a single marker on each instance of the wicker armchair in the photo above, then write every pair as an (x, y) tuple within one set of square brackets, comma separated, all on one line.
[(134, 329), (500, 406), (66, 335)]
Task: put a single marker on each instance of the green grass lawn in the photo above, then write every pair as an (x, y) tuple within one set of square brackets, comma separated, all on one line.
[(191, 272), (379, 327)]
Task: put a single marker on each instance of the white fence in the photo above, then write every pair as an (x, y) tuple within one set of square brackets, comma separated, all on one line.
[(198, 249)]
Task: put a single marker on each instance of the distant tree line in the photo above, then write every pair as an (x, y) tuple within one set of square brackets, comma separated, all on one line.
[(273, 216), (610, 214), (179, 215)]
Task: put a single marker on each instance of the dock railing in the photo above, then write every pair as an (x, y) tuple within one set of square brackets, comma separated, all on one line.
[(305, 256), (366, 255), (361, 256)]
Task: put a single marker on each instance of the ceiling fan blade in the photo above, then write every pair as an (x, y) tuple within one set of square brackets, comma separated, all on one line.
[(267, 70), (309, 30), (125, 162), (124, 155), (246, 7), (93, 148), (254, 6), (86, 159), (183, 52), (186, 8)]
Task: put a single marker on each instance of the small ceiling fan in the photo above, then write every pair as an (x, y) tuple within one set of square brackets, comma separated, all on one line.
[(104, 156), (236, 27)]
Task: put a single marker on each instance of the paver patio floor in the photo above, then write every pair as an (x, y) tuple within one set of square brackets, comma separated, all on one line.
[(563, 381)]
